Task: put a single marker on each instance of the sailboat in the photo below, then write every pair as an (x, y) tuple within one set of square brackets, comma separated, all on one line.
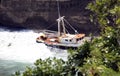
[(62, 38)]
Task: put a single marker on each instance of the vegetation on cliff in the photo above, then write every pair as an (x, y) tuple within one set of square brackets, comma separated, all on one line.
[(99, 57)]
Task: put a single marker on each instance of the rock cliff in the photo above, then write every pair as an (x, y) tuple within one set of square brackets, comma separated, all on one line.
[(39, 14)]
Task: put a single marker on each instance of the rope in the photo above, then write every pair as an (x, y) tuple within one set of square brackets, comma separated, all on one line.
[(70, 26), (51, 25), (67, 30)]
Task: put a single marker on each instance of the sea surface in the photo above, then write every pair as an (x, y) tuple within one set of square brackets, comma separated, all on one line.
[(18, 49)]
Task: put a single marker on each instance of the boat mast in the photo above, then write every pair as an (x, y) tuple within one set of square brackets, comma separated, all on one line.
[(58, 9), (63, 25), (59, 20)]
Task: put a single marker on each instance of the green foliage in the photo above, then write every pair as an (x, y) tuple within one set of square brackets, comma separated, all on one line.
[(105, 51), (17, 74), (77, 57), (105, 12), (100, 57), (104, 57), (47, 67)]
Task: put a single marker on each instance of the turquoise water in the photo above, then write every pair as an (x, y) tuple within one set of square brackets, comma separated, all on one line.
[(8, 67)]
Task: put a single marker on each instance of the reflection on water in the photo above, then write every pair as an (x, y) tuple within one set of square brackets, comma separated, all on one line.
[(19, 48)]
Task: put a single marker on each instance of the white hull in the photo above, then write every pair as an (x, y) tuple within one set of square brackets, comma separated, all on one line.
[(64, 45), (69, 45)]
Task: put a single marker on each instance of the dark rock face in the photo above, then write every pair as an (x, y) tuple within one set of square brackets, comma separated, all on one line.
[(39, 14)]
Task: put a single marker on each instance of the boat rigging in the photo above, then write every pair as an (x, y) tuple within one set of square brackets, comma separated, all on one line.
[(62, 38)]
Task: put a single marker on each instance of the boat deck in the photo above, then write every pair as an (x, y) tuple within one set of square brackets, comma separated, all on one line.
[(74, 45)]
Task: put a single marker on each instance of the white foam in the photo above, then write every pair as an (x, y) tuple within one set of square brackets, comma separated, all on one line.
[(21, 46)]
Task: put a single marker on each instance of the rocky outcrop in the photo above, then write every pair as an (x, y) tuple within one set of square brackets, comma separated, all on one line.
[(39, 14)]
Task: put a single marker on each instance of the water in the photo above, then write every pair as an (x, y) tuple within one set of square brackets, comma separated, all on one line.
[(8, 67), (19, 49)]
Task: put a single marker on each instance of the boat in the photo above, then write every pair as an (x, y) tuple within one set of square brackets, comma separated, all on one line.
[(61, 38)]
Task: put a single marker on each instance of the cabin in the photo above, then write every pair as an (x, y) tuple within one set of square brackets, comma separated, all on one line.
[(67, 40), (71, 39)]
